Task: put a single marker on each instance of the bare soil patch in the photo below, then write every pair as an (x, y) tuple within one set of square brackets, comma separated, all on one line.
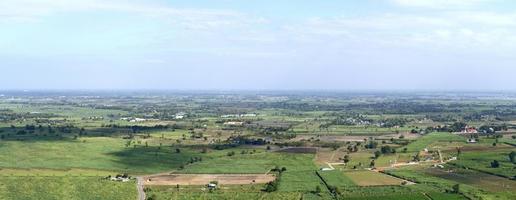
[(370, 178), (203, 179), (327, 155)]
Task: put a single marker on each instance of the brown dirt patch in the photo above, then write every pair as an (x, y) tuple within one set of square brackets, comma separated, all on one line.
[(370, 178), (203, 179), (326, 155)]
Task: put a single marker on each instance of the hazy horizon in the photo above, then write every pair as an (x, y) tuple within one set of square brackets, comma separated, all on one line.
[(389, 45)]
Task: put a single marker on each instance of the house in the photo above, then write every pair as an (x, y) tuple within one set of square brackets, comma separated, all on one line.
[(469, 129)]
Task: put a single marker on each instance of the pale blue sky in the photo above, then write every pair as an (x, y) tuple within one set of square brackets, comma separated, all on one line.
[(258, 44)]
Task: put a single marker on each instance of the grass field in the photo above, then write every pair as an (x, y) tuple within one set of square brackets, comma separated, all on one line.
[(480, 160), (431, 140), (232, 192), (64, 187), (425, 178), (90, 153), (480, 180), (336, 178), (382, 193)]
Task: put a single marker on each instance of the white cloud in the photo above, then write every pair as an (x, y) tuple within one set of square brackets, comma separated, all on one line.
[(440, 3), (33, 10), (451, 31)]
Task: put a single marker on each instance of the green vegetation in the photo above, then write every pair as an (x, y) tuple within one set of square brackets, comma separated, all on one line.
[(317, 146), (433, 140), (90, 153), (69, 187)]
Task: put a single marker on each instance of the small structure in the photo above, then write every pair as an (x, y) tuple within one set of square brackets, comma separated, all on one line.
[(234, 123), (180, 115), (212, 186), (120, 177), (472, 140), (326, 169)]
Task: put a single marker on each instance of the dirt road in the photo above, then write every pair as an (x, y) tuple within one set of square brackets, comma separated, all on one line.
[(139, 187)]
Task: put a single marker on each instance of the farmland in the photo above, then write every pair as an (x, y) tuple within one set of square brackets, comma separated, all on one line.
[(257, 146), (64, 188)]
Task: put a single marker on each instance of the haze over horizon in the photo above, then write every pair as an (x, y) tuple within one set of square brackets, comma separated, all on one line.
[(258, 45)]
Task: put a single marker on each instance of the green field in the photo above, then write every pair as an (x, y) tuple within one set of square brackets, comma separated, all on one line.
[(433, 140), (91, 153), (336, 178), (61, 187), (471, 187), (63, 146), (229, 192), (480, 160)]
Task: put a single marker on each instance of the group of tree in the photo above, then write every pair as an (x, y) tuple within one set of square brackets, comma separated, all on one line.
[(273, 185)]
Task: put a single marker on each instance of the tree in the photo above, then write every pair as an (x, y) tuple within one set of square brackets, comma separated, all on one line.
[(416, 157), (346, 159), (512, 156), (495, 164), (377, 154), (178, 150), (456, 188), (372, 164), (387, 150)]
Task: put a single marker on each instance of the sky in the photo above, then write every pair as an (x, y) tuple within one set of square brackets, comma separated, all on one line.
[(258, 44)]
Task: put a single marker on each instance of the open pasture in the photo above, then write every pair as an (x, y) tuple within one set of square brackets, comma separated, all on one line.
[(434, 140), (64, 187), (100, 153)]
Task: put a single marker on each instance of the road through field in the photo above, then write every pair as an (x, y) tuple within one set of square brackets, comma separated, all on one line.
[(139, 186)]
